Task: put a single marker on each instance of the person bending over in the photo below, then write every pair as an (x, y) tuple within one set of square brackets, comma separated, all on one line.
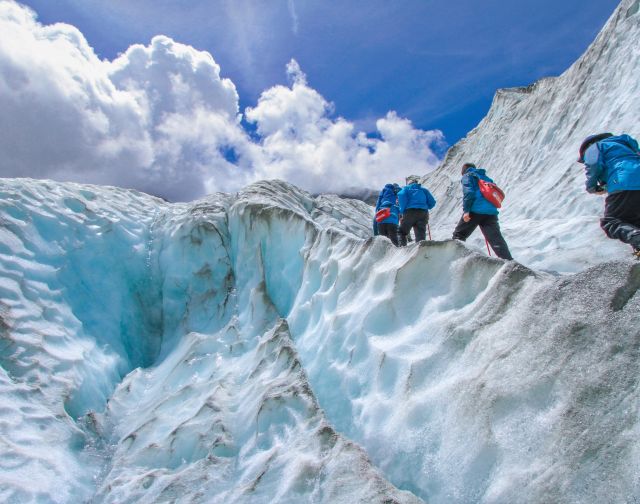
[(612, 167)]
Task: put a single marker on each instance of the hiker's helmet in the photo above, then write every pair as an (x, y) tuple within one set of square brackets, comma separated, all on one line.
[(589, 141)]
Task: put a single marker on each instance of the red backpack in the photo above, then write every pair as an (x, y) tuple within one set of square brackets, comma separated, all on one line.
[(491, 192), (382, 214)]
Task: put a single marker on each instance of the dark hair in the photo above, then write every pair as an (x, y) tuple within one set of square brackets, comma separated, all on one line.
[(466, 166)]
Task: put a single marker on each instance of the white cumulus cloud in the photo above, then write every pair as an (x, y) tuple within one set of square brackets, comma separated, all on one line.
[(304, 144), (160, 118)]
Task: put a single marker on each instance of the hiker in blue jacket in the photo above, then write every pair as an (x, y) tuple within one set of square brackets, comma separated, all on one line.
[(478, 211), (612, 165), (388, 198), (415, 202)]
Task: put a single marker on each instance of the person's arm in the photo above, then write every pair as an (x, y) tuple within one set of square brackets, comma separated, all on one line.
[(469, 185), (379, 200), (594, 170), (402, 201), (431, 201)]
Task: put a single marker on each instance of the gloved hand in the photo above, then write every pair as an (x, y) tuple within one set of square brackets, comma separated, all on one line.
[(601, 189)]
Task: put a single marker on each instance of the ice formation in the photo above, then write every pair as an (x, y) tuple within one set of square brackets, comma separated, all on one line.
[(236, 350), (262, 347), (145, 357)]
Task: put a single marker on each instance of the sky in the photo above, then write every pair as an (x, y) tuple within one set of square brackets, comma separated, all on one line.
[(327, 95)]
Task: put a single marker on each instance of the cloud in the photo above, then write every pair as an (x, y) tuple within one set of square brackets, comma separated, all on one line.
[(160, 118), (294, 16), (304, 144)]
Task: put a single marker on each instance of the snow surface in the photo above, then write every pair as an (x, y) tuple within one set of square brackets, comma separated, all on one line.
[(261, 347), (529, 143)]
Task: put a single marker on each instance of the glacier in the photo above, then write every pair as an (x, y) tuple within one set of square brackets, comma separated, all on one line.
[(263, 347), (260, 348)]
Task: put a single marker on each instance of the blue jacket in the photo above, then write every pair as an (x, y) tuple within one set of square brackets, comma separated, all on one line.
[(613, 162), (388, 199), (415, 196), (472, 198)]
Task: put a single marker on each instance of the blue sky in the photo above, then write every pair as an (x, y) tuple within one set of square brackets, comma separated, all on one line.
[(435, 62)]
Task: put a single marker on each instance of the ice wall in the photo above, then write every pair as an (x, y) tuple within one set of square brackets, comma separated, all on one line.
[(145, 357), (528, 143), (236, 350), (79, 310)]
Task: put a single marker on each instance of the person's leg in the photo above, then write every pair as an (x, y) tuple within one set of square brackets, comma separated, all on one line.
[(390, 231), (393, 234), (385, 230), (621, 219), (464, 229), (491, 230), (420, 224), (405, 228)]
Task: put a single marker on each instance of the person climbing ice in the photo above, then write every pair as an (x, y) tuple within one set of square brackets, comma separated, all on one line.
[(612, 167), (479, 211), (386, 218), (415, 202)]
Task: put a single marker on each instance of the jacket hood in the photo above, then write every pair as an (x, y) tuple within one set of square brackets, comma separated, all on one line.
[(479, 171), (625, 140)]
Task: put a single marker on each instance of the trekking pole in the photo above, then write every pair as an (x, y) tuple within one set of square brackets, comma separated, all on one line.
[(487, 242), (429, 228)]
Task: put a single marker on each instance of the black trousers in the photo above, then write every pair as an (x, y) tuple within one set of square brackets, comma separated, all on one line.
[(490, 229), (416, 219), (390, 231), (621, 219)]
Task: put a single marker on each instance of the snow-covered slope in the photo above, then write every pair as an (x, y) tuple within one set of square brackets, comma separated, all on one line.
[(529, 143), (254, 349)]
